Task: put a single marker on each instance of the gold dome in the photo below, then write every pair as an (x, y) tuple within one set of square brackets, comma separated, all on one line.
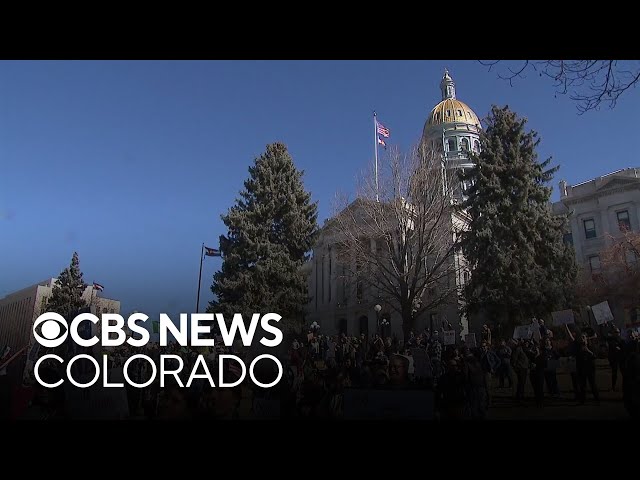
[(451, 110)]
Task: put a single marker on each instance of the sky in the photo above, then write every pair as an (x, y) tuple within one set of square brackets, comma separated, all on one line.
[(132, 163)]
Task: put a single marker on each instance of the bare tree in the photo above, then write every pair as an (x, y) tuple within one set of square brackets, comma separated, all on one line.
[(402, 248), (618, 278), (589, 82)]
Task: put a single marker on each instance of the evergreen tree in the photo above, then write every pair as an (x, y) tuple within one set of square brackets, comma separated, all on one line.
[(66, 296), (271, 229), (520, 266)]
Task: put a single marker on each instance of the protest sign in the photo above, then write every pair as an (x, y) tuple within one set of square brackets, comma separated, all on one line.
[(563, 317), (470, 340), (522, 332), (602, 313), (449, 337)]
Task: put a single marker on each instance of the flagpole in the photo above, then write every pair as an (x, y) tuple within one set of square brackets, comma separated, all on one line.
[(92, 290), (200, 279), (375, 142)]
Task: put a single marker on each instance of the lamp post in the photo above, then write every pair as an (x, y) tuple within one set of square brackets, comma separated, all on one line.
[(314, 328), (384, 324), (377, 309)]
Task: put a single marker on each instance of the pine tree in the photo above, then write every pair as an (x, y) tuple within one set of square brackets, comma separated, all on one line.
[(271, 229), (520, 266), (66, 296)]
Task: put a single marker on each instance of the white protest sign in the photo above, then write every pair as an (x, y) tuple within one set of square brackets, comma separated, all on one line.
[(522, 332), (563, 317), (449, 337), (470, 340), (602, 313)]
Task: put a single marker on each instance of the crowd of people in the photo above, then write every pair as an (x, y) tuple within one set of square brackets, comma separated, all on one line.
[(321, 370), (460, 376)]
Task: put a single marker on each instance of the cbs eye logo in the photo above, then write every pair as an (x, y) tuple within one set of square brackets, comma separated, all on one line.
[(52, 325)]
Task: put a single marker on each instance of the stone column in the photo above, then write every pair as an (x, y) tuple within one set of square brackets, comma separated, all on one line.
[(577, 234), (606, 228), (333, 284)]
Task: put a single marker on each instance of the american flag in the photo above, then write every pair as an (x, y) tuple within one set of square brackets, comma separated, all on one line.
[(98, 287), (381, 142), (382, 130)]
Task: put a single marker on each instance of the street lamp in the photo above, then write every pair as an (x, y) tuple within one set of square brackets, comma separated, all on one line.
[(314, 328), (377, 309), (384, 324)]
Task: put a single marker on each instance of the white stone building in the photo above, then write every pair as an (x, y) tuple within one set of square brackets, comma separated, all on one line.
[(599, 210), (19, 310), (339, 306)]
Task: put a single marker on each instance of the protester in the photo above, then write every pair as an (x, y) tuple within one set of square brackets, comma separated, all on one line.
[(551, 358), (490, 363), (537, 366), (585, 368), (520, 363), (504, 370), (321, 372), (615, 355)]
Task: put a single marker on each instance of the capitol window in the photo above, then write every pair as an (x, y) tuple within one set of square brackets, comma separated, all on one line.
[(590, 228), (623, 221), (567, 238), (460, 114), (448, 113), (594, 263), (465, 144), (476, 145), (452, 145)]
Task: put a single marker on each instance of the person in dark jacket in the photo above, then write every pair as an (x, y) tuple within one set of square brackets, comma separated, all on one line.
[(486, 334), (551, 358), (505, 370), (452, 392), (615, 355), (490, 363), (586, 369), (537, 364), (477, 400), (520, 363)]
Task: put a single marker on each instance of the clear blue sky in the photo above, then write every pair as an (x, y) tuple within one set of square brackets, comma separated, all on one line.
[(132, 163)]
